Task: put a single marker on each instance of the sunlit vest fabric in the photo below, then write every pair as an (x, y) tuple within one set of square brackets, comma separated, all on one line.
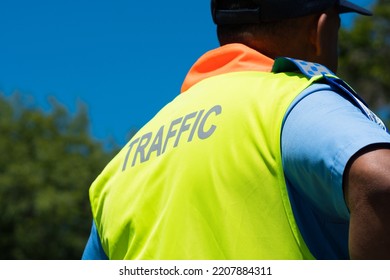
[(204, 178)]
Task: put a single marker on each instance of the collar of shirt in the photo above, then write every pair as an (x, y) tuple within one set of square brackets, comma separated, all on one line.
[(226, 59)]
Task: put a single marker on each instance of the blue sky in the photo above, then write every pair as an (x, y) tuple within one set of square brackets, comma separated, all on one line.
[(124, 59)]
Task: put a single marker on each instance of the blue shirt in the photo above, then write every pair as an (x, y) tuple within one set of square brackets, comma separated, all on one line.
[(94, 250), (321, 132)]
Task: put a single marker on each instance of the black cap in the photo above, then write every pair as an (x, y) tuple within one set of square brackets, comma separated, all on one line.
[(274, 10)]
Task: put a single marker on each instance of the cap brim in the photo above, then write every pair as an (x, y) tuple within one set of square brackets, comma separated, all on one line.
[(348, 7)]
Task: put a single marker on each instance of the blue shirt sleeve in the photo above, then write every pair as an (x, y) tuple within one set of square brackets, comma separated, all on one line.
[(94, 250), (321, 132)]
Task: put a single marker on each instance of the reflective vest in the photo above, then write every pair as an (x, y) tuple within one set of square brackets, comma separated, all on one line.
[(204, 178)]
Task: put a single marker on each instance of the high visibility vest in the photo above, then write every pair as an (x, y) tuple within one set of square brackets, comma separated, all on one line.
[(204, 178)]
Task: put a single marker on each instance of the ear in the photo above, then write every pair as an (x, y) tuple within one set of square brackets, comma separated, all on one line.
[(317, 34)]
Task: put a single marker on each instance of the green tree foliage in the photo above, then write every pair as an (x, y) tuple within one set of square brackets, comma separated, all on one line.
[(365, 55), (47, 163)]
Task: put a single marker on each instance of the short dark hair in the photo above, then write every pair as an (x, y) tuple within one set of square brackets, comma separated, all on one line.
[(242, 33)]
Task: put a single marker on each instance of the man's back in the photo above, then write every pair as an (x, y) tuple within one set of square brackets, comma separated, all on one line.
[(204, 179)]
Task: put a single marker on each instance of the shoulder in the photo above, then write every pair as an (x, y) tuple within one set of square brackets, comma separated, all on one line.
[(322, 130)]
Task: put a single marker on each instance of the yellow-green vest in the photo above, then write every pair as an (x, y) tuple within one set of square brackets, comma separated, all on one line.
[(204, 178)]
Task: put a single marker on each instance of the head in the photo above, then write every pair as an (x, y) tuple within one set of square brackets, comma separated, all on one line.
[(304, 29)]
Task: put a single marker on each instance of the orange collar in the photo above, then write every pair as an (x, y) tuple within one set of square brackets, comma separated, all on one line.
[(225, 59)]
